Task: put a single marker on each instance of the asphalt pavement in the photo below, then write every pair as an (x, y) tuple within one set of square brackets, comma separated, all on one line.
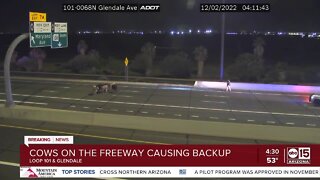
[(169, 101), (12, 134)]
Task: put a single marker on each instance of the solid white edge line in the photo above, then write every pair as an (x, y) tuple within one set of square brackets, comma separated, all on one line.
[(171, 106), (9, 164), (27, 102)]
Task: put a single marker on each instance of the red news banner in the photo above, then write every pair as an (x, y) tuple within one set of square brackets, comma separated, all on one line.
[(169, 155)]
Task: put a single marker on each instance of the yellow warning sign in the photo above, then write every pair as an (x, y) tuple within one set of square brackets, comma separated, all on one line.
[(126, 61), (38, 17)]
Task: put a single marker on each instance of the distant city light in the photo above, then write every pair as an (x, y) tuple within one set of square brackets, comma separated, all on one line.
[(208, 31), (232, 33)]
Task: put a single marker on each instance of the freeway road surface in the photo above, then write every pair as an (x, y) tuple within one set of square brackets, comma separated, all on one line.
[(13, 131), (167, 101)]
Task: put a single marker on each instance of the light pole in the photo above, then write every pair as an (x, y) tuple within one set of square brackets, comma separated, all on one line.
[(223, 18), (7, 61)]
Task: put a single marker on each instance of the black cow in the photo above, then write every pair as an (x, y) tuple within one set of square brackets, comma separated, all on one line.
[(105, 88)]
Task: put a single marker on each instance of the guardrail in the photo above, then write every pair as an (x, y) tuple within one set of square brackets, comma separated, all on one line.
[(259, 87)]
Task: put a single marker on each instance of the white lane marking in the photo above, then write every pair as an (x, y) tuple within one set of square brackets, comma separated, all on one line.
[(177, 115), (211, 117), (115, 110), (85, 107), (9, 163), (239, 92), (26, 102), (73, 106), (290, 123), (144, 112), (267, 94), (99, 108), (271, 122), (207, 95), (65, 87), (251, 120), (50, 91), (194, 116), (220, 102), (129, 111), (313, 125), (121, 96), (142, 87), (132, 91), (169, 106), (160, 113), (232, 119)]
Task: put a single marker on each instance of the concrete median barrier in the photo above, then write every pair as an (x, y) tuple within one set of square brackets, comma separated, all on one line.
[(259, 87), (219, 129)]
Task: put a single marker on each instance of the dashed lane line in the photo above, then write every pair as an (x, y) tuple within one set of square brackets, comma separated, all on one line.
[(220, 102), (290, 123), (50, 91), (26, 102), (271, 122), (170, 106), (207, 95), (131, 91), (212, 117)]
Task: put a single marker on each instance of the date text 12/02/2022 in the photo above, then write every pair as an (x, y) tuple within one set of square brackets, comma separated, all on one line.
[(235, 8)]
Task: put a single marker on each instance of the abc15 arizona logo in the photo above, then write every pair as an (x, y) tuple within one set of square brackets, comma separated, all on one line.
[(298, 155)]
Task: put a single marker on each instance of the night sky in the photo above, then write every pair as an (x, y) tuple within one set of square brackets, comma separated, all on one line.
[(285, 15)]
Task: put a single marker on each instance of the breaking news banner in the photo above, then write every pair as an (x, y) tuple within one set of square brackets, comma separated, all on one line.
[(58, 157), (111, 8)]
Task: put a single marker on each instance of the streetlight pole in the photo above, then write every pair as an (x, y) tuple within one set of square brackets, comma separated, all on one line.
[(7, 61), (223, 18)]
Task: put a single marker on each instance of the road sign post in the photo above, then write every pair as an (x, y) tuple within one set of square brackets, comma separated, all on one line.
[(59, 35), (126, 71)]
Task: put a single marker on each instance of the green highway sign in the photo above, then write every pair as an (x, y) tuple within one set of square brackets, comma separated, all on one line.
[(40, 34), (40, 39), (59, 35)]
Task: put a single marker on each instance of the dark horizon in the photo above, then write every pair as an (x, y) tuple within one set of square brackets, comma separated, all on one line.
[(285, 15)]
